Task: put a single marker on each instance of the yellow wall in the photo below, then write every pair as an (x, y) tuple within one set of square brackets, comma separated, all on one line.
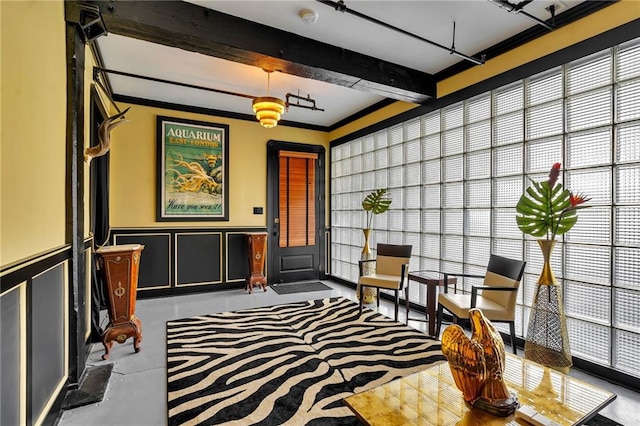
[(133, 168), (606, 19), (32, 128)]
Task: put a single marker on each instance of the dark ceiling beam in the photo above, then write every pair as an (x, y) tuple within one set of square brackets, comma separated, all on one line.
[(194, 28)]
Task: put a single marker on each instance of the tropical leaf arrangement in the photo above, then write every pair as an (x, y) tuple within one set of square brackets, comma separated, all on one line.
[(547, 209), (375, 203)]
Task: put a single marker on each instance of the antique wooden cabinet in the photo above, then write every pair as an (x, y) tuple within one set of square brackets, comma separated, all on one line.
[(119, 265), (257, 249)]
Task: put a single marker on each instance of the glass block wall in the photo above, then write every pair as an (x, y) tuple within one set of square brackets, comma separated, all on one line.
[(456, 174)]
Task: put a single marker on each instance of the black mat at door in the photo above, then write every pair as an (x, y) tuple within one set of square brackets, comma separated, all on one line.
[(300, 287)]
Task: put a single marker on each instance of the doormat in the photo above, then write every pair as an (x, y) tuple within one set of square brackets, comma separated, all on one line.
[(301, 287)]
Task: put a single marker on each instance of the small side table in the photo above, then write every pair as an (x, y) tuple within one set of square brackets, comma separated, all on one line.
[(433, 279), (119, 265), (257, 245)]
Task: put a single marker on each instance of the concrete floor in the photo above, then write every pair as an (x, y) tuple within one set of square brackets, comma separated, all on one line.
[(136, 393)]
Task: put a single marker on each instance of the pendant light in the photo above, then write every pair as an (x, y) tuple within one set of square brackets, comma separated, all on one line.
[(268, 109)]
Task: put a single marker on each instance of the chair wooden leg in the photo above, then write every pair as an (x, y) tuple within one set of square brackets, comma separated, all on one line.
[(512, 329), (378, 297), (439, 320), (361, 296), (397, 304)]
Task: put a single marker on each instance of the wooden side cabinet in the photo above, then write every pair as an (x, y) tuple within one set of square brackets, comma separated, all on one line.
[(119, 265), (257, 249)]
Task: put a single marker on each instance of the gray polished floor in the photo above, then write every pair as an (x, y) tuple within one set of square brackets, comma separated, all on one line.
[(136, 392)]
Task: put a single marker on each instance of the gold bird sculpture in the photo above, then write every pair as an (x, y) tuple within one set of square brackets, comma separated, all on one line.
[(477, 365), (104, 136)]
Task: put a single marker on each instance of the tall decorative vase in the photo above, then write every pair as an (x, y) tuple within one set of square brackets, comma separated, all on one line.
[(547, 340), (369, 296)]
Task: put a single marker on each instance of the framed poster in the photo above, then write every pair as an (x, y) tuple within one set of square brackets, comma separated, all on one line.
[(193, 170)]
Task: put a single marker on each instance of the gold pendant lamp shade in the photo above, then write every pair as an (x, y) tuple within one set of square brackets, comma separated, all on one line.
[(268, 109)]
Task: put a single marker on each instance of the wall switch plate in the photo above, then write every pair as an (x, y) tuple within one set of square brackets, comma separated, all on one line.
[(257, 210)]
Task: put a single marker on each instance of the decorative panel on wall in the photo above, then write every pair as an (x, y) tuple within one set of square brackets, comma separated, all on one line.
[(11, 350), (48, 338), (237, 257), (198, 258), (155, 261)]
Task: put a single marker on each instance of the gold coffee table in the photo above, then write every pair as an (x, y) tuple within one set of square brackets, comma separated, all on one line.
[(430, 397)]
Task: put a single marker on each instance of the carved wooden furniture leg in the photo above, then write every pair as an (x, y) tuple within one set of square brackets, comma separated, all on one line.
[(257, 248)]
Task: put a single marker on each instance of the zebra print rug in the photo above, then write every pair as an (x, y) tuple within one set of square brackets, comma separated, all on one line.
[(286, 364)]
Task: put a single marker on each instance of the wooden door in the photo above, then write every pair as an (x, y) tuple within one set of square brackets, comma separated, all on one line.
[(295, 212)]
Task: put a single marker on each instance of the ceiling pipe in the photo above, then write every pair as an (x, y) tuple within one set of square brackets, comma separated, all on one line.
[(518, 10), (341, 7)]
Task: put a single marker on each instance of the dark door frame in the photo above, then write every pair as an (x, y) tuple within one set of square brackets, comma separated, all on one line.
[(273, 169)]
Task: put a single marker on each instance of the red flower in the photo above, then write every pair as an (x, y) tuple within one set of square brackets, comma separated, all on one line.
[(576, 199), (553, 174)]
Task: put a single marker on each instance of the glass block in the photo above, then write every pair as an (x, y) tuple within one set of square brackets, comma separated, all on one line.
[(451, 267), (507, 160), (628, 184), (594, 183), (542, 154), (336, 153), (396, 194), (382, 158), (507, 99), (534, 259), (504, 224), (545, 120), (411, 197), (412, 150), (628, 60), (413, 239), (412, 175), (478, 108), (626, 308), (452, 195), (589, 73), (368, 181), (508, 248), (628, 101), (478, 222), (395, 135), (431, 196), (368, 161), (477, 251), (544, 87), (625, 270), (452, 248), (588, 110), (431, 123), (453, 141), (452, 168), (396, 177), (452, 116), (380, 139), (431, 263), (590, 264), (368, 143), (430, 244), (431, 221), (412, 220), (507, 191), (586, 301), (452, 221), (431, 146), (627, 226), (529, 288), (356, 147), (626, 355), (356, 164), (508, 128), (395, 155), (478, 165), (593, 226), (627, 146), (382, 178), (478, 135), (589, 341), (431, 171), (591, 148), (412, 129), (477, 193), (394, 237)]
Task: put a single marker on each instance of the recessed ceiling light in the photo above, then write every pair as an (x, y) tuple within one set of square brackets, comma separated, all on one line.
[(308, 16)]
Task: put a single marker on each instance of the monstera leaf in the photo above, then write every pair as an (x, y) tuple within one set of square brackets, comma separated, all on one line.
[(545, 211), (375, 203)]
